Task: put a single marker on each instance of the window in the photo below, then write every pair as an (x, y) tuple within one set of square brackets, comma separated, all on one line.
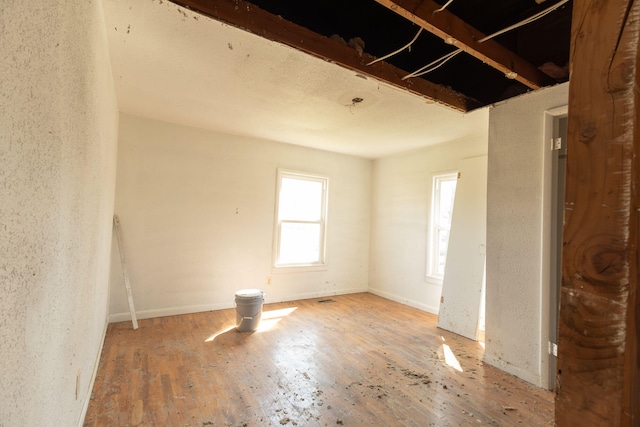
[(444, 191), (300, 220)]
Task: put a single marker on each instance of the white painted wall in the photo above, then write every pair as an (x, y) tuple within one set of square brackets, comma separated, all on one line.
[(197, 213), (515, 232), (58, 121), (401, 210)]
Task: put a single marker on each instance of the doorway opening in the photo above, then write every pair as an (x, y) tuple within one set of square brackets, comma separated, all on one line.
[(554, 194)]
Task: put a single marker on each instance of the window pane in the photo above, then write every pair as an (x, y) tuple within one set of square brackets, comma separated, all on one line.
[(443, 244), (447, 196), (444, 191), (299, 243), (300, 200)]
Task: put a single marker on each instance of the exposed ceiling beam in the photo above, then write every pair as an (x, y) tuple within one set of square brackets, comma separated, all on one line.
[(249, 17), (457, 32)]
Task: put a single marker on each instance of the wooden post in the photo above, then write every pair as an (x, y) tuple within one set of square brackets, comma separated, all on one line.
[(598, 361)]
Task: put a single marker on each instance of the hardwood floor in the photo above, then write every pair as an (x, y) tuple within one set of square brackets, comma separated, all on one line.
[(356, 360)]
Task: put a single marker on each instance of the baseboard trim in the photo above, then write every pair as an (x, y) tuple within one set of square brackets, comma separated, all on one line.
[(405, 301), (173, 311), (311, 295), (510, 369), (169, 311)]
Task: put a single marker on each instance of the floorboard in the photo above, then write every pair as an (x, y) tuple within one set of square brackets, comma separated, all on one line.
[(356, 360)]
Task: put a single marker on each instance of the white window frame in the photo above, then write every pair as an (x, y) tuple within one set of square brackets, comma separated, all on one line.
[(433, 275), (321, 264)]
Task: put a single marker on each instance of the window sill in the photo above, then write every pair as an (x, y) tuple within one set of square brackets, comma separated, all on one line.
[(299, 268), (432, 280)]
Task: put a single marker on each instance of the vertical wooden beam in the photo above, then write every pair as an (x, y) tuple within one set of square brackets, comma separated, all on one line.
[(598, 361)]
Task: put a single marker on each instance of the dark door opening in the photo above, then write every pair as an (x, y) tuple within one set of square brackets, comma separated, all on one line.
[(559, 159)]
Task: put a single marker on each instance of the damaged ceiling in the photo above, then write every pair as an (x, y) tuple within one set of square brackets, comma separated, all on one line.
[(355, 33), (299, 73)]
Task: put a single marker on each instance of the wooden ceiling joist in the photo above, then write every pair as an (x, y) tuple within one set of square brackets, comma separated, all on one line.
[(248, 17), (457, 32)]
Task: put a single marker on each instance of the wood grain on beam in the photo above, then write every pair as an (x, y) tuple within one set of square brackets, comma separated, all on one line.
[(598, 360), (249, 17), (455, 31)]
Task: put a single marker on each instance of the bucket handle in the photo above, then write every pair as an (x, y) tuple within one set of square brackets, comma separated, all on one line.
[(250, 318), (254, 315)]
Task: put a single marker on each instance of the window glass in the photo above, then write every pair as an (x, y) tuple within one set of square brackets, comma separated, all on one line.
[(444, 192), (299, 238), (299, 243), (300, 200)]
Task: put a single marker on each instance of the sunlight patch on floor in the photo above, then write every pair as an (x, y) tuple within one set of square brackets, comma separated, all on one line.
[(450, 358), (268, 321), (271, 318), (283, 312), (220, 332)]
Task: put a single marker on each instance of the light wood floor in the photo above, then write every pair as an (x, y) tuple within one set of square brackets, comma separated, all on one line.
[(357, 360)]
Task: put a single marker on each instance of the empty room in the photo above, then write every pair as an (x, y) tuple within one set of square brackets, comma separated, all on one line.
[(390, 213)]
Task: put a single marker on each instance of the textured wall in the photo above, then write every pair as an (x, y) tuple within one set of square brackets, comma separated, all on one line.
[(197, 213), (58, 133), (400, 219), (514, 231)]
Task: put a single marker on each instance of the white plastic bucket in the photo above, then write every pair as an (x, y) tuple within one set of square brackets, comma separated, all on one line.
[(249, 309)]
